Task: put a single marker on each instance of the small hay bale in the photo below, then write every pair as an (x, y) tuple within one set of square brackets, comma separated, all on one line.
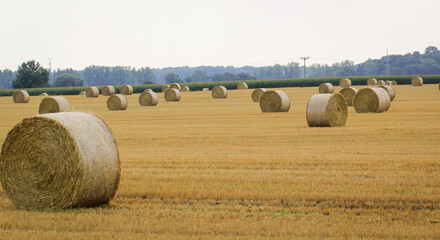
[(126, 90), (327, 110), (205, 89), (388, 82), (345, 82), (148, 90), (184, 89), (54, 105), (21, 97), (256, 94), (372, 81), (326, 88), (66, 160), (371, 100), (390, 90), (219, 92), (82, 93), (92, 92), (393, 82), (148, 99), (165, 87), (348, 94), (117, 102), (381, 82), (274, 101), (242, 85), (172, 95), (417, 81), (44, 94), (176, 86), (108, 90)]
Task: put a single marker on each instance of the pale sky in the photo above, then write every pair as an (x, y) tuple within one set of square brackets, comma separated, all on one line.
[(162, 33)]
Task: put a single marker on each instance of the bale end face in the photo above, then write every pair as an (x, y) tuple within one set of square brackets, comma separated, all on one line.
[(172, 95), (54, 105), (176, 86), (345, 82), (126, 90), (21, 97), (256, 94), (371, 81), (371, 100), (108, 90), (326, 88), (219, 92), (184, 89), (242, 85), (148, 99), (117, 102), (92, 92), (417, 81), (165, 87), (274, 101), (349, 94)]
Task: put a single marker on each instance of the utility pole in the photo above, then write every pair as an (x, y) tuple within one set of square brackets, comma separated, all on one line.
[(304, 58)]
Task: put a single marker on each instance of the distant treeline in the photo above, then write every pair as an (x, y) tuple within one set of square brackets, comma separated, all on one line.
[(415, 63)]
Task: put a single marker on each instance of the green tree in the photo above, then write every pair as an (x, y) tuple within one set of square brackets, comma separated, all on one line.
[(31, 75), (173, 78), (188, 79), (68, 80), (199, 75), (370, 68)]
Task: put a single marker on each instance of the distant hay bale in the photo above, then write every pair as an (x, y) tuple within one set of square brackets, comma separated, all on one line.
[(348, 94), (388, 82), (390, 90), (148, 99), (371, 81), (205, 89), (393, 82), (66, 160), (371, 100), (165, 87), (148, 90), (417, 81), (256, 94), (44, 94), (176, 86), (274, 101), (82, 93), (108, 90), (92, 92), (54, 105), (126, 90), (381, 82), (117, 102), (345, 82), (326, 88), (219, 92), (184, 89), (172, 95), (242, 85), (21, 97), (327, 110)]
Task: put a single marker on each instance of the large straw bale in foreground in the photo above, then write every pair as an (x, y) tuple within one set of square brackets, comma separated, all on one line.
[(371, 81), (148, 99), (256, 94), (381, 82), (327, 110), (349, 94), (176, 86), (274, 101), (219, 92), (65, 160), (108, 90), (326, 88), (117, 102), (184, 89), (21, 97), (371, 100), (126, 90), (165, 87), (417, 81), (242, 85), (54, 105), (172, 95), (92, 92), (345, 82), (390, 90)]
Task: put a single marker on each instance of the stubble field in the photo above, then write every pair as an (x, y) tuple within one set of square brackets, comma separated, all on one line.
[(206, 168)]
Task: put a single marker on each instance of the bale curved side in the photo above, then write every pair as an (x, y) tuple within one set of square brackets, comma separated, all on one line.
[(108, 90), (274, 101), (117, 102), (172, 95), (126, 90), (345, 82), (219, 92), (348, 94), (92, 92), (371, 100), (390, 90), (417, 81), (148, 99), (380, 82), (326, 88), (184, 89), (242, 85), (327, 110), (176, 86), (256, 94), (21, 97), (371, 81), (54, 105)]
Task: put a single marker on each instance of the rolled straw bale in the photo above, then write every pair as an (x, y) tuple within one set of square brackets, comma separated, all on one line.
[(21, 97), (126, 90), (388, 82), (117, 102), (393, 82), (184, 89), (148, 99), (66, 160), (148, 90), (274, 101), (380, 82), (371, 81), (256, 94), (165, 87), (390, 90), (242, 85), (44, 94), (172, 95), (54, 105), (205, 89), (176, 86), (219, 92), (371, 100), (82, 93), (92, 92), (327, 110), (108, 90), (345, 82), (326, 88), (349, 94), (417, 81)]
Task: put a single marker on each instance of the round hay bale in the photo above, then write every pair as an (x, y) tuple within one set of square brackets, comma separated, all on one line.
[(205, 89), (372, 81), (256, 94), (148, 90), (327, 110), (172, 95), (21, 97), (108, 90), (381, 82), (65, 160), (274, 101), (92, 92), (348, 94), (371, 100), (388, 82), (44, 94), (126, 90), (176, 86), (184, 89), (390, 90), (148, 99), (54, 105), (242, 85), (393, 82), (117, 102), (417, 81), (165, 87), (345, 82), (219, 92), (82, 93), (326, 88)]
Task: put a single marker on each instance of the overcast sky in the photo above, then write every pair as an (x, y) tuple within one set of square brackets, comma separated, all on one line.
[(211, 32)]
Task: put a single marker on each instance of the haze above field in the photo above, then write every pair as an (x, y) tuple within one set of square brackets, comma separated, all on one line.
[(191, 33)]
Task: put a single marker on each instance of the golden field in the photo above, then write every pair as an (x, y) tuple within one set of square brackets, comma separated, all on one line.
[(206, 168)]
